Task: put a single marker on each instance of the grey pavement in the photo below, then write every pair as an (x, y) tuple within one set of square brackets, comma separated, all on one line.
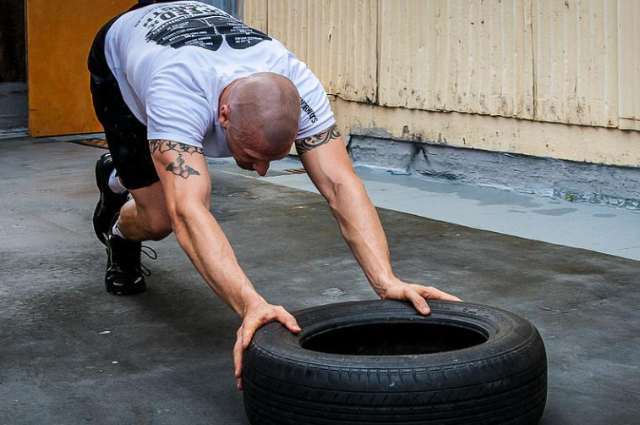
[(600, 228), (70, 353)]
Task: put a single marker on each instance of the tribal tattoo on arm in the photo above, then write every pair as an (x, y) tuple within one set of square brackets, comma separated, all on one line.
[(312, 142), (177, 167)]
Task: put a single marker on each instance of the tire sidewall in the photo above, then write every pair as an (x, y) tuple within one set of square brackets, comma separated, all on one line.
[(512, 346)]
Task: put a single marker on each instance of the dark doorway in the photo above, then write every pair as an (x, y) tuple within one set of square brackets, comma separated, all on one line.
[(13, 68)]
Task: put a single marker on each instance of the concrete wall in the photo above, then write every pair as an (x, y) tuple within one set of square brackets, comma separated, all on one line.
[(545, 78)]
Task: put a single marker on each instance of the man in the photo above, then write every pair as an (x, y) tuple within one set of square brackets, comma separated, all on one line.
[(174, 81)]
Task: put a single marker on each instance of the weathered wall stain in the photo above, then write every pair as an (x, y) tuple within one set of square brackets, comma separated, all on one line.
[(578, 182)]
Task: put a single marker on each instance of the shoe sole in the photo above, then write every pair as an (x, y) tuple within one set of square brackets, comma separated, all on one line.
[(122, 290)]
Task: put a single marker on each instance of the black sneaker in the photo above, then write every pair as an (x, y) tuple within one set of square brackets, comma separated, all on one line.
[(110, 203), (125, 274)]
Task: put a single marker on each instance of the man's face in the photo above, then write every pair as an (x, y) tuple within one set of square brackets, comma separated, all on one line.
[(248, 146), (249, 152)]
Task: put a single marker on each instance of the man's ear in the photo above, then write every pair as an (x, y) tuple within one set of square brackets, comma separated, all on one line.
[(225, 115)]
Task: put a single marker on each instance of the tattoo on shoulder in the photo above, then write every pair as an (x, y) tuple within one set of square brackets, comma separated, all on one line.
[(177, 167), (309, 143)]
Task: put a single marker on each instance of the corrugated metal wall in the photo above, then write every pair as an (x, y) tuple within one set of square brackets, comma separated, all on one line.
[(576, 61), (571, 61), (465, 56), (336, 38), (255, 13), (629, 64)]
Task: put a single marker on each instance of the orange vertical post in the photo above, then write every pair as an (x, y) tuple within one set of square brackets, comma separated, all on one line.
[(59, 36)]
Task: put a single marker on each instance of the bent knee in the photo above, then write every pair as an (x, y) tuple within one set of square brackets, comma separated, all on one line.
[(158, 229)]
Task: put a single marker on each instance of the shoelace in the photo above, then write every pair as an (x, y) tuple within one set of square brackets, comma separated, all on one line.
[(150, 253)]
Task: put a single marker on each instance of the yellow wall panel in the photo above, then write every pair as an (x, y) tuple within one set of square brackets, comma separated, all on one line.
[(580, 143), (571, 65), (467, 56), (59, 36), (335, 38), (255, 14), (576, 61), (629, 70)]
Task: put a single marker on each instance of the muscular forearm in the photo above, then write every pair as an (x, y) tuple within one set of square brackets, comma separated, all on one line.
[(327, 162), (202, 239), (361, 228)]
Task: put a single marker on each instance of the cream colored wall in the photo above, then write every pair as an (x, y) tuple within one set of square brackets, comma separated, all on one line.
[(576, 61), (456, 56), (562, 75), (336, 39), (629, 64)]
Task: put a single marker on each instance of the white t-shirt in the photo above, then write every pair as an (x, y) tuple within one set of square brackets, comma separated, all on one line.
[(172, 61)]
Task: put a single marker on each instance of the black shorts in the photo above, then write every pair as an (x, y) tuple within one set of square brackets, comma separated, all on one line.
[(126, 136)]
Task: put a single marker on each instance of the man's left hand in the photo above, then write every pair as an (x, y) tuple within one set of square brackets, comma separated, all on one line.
[(416, 294)]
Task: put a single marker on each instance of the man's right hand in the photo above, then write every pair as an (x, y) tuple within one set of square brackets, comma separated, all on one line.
[(256, 316)]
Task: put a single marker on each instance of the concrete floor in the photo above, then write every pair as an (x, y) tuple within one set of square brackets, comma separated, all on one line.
[(70, 353), (599, 228)]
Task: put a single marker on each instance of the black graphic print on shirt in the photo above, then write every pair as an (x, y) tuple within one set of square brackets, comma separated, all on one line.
[(309, 111), (198, 25)]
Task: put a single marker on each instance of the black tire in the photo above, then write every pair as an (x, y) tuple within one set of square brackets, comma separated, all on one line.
[(318, 377)]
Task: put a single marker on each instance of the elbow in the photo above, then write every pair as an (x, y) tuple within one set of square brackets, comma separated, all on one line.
[(333, 195), (181, 216), (343, 190), (332, 199)]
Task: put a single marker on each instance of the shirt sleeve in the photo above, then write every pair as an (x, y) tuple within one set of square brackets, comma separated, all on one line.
[(176, 108), (316, 115)]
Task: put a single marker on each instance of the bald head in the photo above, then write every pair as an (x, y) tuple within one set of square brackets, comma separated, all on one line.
[(265, 108)]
